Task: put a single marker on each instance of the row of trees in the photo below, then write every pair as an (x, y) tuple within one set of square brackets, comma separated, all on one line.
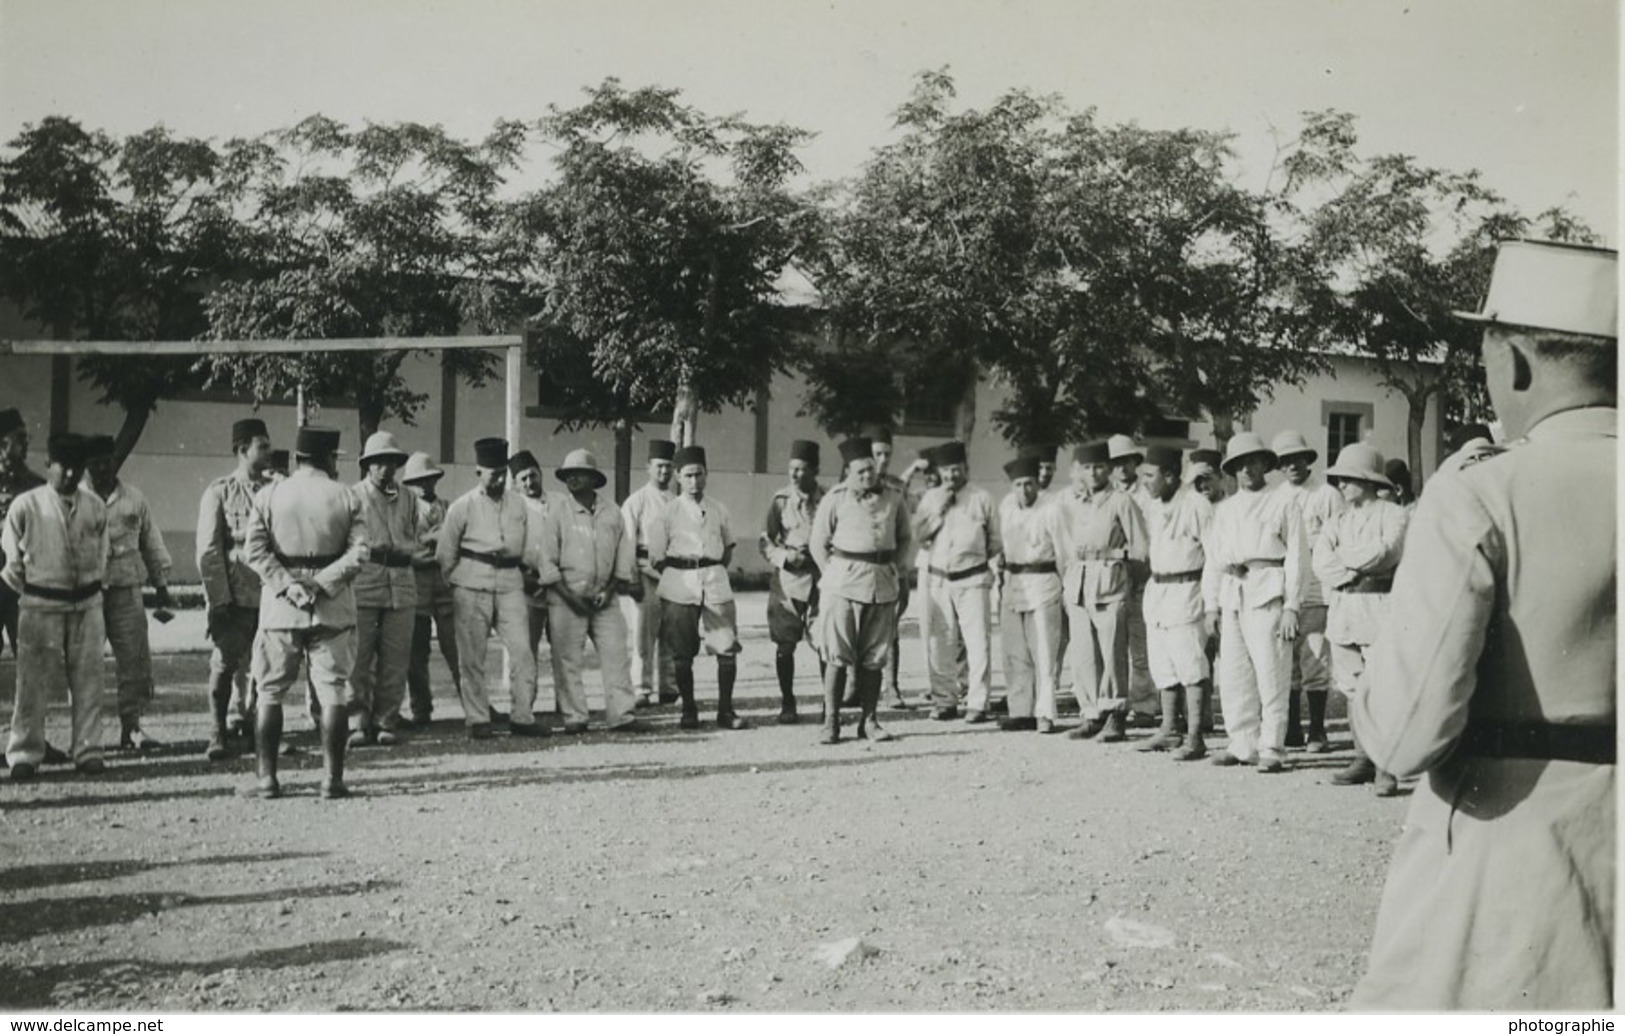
[(1105, 274)]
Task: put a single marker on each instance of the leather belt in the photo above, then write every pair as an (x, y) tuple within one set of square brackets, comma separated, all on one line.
[(643, 552), (1042, 567), (879, 556), (962, 573), (1547, 741), (496, 560), (311, 562), (1171, 577), (1372, 584), (75, 595), (1262, 562), (1099, 556), (691, 563), (390, 558)]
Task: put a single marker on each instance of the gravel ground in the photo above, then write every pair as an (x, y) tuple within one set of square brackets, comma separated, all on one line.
[(957, 869)]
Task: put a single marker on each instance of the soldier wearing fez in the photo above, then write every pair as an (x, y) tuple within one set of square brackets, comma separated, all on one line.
[(436, 615), (792, 597), (1495, 680), (880, 443), (1031, 580), (860, 539), (307, 541), (652, 665)]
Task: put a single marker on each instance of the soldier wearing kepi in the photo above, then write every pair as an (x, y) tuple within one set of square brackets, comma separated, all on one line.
[(1318, 504), (585, 562), (656, 674), (691, 546), (488, 533), (307, 542), (792, 595), (1497, 678), (230, 587), (386, 595), (1178, 521), (1103, 540), (55, 542), (136, 557), (860, 540), (1030, 625), (435, 617), (959, 524), (1355, 556), (1252, 590)]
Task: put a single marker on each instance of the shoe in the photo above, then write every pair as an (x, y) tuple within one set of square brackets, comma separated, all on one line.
[(1113, 731), (135, 738), (480, 731), (1165, 739), (288, 749), (875, 733), (56, 756), (731, 721), (334, 791), (536, 730), (417, 721), (788, 718), (635, 725), (1193, 750), (669, 698), (1385, 785), (574, 728), (1358, 771), (944, 714), (976, 718), (21, 772), (999, 706), (643, 699), (1018, 724), (1271, 766), (218, 748), (1294, 737), (690, 719), (1316, 745), (390, 738), (91, 766), (1045, 726), (831, 735), (1088, 730), (264, 789), (1225, 759), (362, 738), (499, 717), (1142, 720)]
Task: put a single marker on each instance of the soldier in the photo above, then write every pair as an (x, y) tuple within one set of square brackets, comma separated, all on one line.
[(386, 595), (277, 469), (1103, 539), (586, 560), (526, 473), (307, 542), (792, 597), (1317, 503), (1178, 519), (1355, 557), (860, 540), (230, 587), (1398, 473), (1252, 592), (959, 524), (1031, 591), (880, 442), (487, 535), (691, 545), (1208, 481), (435, 614), (1497, 679), (1042, 453), (55, 542), (1142, 692), (655, 671), (15, 479), (136, 557)]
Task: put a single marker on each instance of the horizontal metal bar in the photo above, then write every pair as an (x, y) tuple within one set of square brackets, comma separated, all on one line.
[(273, 345)]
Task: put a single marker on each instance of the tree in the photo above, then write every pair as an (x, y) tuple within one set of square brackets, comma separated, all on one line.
[(659, 248), (114, 239), (381, 231)]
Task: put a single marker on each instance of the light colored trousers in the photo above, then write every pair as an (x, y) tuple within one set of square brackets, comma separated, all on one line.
[(279, 653), (657, 670), (57, 650), (1312, 656), (126, 623), (1142, 691), (383, 653), (568, 633), (1255, 671), (956, 617), (478, 613), (1099, 657), (1032, 659)]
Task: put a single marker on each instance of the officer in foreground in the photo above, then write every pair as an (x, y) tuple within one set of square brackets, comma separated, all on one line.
[(1496, 678)]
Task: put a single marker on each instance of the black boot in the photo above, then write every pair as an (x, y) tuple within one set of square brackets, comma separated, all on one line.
[(785, 663), (220, 691), (690, 718), (335, 736), (1195, 747), (869, 727), (834, 686), (267, 741), (727, 674), (1167, 737), (1294, 719), (1113, 731), (1317, 742)]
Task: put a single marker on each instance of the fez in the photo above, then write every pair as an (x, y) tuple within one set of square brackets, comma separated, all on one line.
[(491, 453), (689, 456), (68, 449), (1092, 452), (949, 453), (877, 433), (522, 461), (1022, 467), (10, 420), (661, 449), (859, 448), (1164, 457), (316, 441), (803, 450), (253, 427)]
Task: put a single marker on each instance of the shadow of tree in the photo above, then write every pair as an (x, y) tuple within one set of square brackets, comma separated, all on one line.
[(29, 877), (32, 987)]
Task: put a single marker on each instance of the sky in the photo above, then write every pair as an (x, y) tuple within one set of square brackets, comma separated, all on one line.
[(1525, 91)]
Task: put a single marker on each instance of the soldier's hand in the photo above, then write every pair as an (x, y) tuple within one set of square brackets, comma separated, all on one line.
[(1289, 625), (1210, 624), (299, 596), (162, 598)]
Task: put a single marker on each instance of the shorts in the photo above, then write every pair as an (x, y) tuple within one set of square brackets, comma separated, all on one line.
[(681, 626), (858, 634), (330, 653), (1177, 655)]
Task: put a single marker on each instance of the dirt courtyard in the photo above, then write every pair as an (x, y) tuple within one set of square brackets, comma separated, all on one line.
[(960, 868)]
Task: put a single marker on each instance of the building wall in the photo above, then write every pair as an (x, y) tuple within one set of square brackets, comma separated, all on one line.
[(187, 444)]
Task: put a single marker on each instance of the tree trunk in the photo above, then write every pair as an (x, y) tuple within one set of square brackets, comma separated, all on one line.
[(623, 459), (370, 412), (129, 432), (965, 409), (1416, 412), (684, 415), (1224, 428)]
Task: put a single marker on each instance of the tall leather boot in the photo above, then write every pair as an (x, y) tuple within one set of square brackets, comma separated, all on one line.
[(834, 687), (335, 737), (727, 674), (690, 718), (267, 741), (1167, 737), (785, 663), (1317, 743), (869, 727), (220, 691), (1294, 719), (1195, 747)]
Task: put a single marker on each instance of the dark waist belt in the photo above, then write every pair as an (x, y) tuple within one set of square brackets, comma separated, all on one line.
[(962, 573), (1547, 741), (317, 561), (691, 563), (1377, 584), (1172, 577), (390, 558), (1262, 562), (496, 560), (882, 556), (643, 552), (1042, 567), (75, 595)]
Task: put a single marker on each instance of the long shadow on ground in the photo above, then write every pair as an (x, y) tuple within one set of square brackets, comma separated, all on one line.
[(30, 877)]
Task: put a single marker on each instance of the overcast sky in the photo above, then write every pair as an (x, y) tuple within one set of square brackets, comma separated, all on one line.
[(1526, 91)]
